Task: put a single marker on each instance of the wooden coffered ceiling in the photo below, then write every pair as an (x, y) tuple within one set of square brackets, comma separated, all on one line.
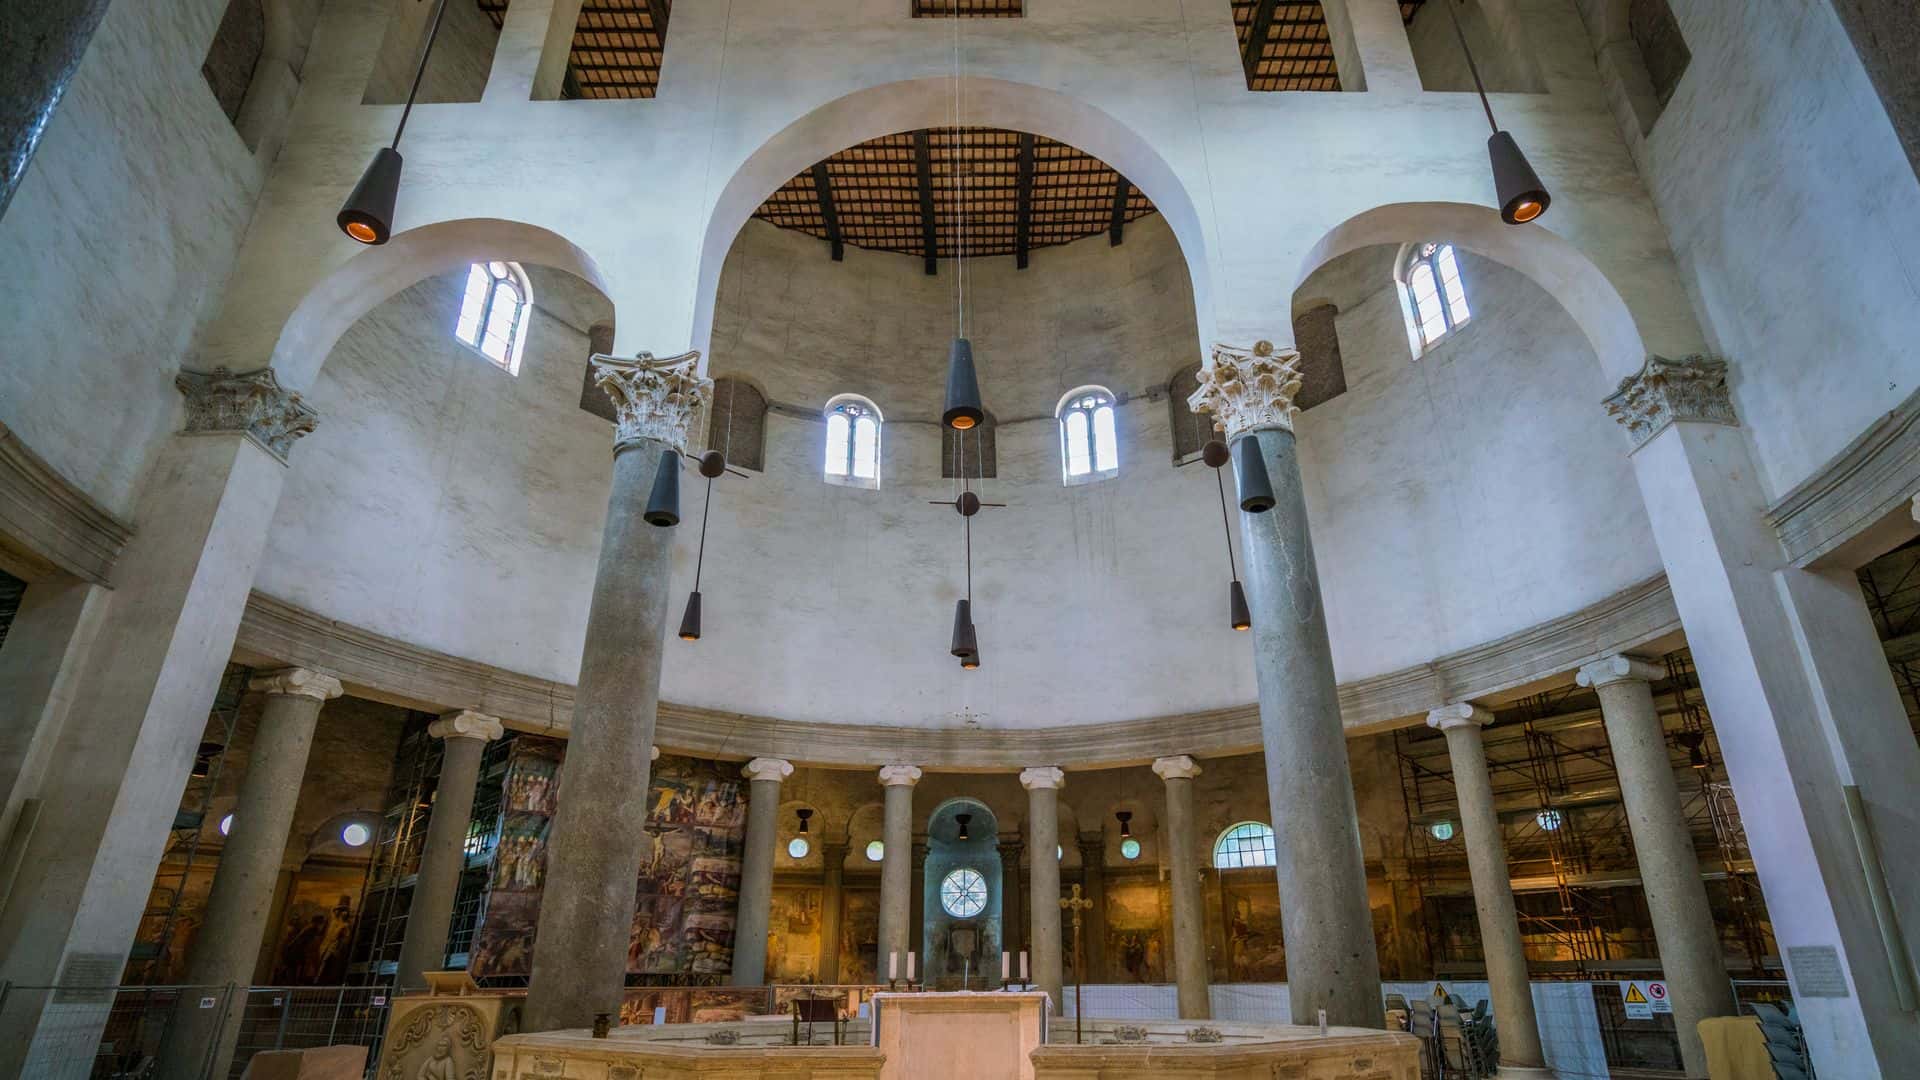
[(1284, 46), (617, 46)]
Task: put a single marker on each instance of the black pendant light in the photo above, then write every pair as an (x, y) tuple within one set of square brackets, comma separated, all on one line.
[(367, 215), (663, 505), (1216, 455), (963, 820), (1523, 197), (1126, 823), (803, 813), (965, 642), (964, 409), (1250, 476), (712, 464)]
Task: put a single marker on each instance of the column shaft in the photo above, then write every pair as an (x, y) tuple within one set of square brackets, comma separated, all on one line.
[(1043, 839), (1189, 922), (443, 857), (36, 77), (1331, 960), (249, 867), (756, 885), (1093, 877), (916, 909), (598, 839), (1690, 953), (1507, 983), (833, 860), (1013, 909), (896, 869)]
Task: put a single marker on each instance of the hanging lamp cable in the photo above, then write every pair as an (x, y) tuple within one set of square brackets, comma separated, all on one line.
[(1472, 68), (419, 73), (1226, 525)]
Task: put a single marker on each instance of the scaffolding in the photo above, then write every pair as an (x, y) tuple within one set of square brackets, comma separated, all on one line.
[(1891, 584)]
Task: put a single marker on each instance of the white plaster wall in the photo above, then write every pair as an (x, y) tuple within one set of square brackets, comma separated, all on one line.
[(1456, 499), (116, 244), (1796, 218)]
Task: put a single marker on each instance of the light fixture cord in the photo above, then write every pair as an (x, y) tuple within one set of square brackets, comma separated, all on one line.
[(1225, 526), (706, 511), (419, 73), (1472, 68)]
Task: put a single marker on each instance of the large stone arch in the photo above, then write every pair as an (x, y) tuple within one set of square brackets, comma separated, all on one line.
[(921, 103), (369, 278)]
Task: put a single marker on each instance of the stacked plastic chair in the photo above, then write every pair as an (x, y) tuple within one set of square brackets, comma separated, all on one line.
[(1786, 1043)]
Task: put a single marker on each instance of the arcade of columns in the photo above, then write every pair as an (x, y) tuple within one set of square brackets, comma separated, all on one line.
[(596, 849)]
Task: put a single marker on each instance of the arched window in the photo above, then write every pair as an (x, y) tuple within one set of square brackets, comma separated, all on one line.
[(1436, 298), (1246, 844), (1089, 443), (853, 442), (493, 313), (974, 448), (737, 423)]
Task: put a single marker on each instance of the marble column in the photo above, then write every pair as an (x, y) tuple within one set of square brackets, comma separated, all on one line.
[(756, 870), (235, 916), (1093, 881), (833, 862), (1690, 954), (1508, 985), (597, 842), (443, 857), (1183, 868), (1331, 960), (1043, 839), (49, 41), (1012, 908), (896, 866)]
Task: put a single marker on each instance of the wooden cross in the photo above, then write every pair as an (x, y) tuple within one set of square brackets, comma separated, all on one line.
[(1076, 905)]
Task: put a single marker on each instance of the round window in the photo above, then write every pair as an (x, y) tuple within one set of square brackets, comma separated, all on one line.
[(964, 893), (1441, 830), (798, 847), (876, 851), (226, 825), (1129, 848), (355, 835)]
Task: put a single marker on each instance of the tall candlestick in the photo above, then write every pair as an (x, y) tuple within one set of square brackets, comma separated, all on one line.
[(1006, 965), (1023, 967), (893, 965), (909, 965)]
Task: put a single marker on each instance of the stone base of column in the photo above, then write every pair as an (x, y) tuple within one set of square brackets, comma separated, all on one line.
[(1524, 1072)]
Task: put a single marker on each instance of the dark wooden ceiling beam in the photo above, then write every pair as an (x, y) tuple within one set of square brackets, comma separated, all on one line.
[(923, 166), (1116, 228), (658, 9), (1258, 28), (829, 216), (1023, 204)]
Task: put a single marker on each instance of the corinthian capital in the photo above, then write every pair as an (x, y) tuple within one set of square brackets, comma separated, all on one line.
[(1249, 389), (653, 399), (251, 403), (1665, 391), (297, 682)]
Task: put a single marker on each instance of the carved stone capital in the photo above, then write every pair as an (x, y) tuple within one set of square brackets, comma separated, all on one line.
[(466, 724), (899, 775), (653, 399), (251, 403), (1249, 389), (297, 682), (1619, 668), (768, 768), (1666, 391), (1458, 715), (1046, 776), (1179, 767)]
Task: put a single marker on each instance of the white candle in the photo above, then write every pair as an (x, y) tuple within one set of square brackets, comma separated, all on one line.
[(1023, 965), (909, 966), (893, 965), (1006, 965)]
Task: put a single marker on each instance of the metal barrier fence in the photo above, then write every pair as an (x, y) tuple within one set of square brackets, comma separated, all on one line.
[(116, 1032)]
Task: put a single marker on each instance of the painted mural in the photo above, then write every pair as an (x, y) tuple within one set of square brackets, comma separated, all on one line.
[(317, 933), (859, 935), (687, 888), (1255, 950), (793, 934), (1136, 952)]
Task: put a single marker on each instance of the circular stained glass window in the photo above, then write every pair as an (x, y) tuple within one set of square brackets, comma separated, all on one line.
[(798, 847), (964, 893), (876, 851), (1129, 848), (1441, 830), (355, 835)]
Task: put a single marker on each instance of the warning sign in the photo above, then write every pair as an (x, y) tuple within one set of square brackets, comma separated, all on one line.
[(1644, 999)]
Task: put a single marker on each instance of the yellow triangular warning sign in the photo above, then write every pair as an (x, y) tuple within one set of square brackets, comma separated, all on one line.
[(1439, 990), (1634, 996)]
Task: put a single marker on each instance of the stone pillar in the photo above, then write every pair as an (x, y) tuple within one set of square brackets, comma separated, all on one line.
[(1508, 985), (917, 909), (1093, 879), (1805, 707), (1331, 960), (1012, 907), (833, 861), (242, 895), (51, 39), (52, 632), (1043, 839), (896, 866), (111, 785), (756, 870), (1690, 954), (597, 843), (1183, 868), (443, 858)]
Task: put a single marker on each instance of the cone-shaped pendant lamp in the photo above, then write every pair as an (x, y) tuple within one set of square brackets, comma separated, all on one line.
[(1522, 196), (964, 409), (367, 215), (690, 622), (1241, 618), (1250, 476), (971, 661), (965, 643), (663, 505)]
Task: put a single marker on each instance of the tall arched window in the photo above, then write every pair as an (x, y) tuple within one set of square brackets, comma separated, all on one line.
[(1089, 441), (1246, 844), (853, 441), (493, 313), (1436, 298)]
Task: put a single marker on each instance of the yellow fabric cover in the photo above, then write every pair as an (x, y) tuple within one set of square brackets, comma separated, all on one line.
[(1736, 1049)]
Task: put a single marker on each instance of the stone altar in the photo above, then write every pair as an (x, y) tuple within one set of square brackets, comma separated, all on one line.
[(959, 1036)]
